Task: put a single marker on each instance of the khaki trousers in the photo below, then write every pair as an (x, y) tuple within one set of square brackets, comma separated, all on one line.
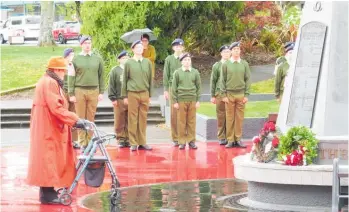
[(86, 107), (235, 109), (138, 105), (173, 111), (220, 110), (120, 120), (186, 116), (71, 108)]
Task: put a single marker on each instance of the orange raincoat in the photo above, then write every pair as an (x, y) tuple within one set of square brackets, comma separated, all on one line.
[(51, 158)]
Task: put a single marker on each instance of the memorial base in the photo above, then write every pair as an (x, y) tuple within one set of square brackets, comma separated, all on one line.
[(276, 186)]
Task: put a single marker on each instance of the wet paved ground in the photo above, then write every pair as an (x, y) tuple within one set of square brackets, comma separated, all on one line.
[(181, 196), (162, 165)]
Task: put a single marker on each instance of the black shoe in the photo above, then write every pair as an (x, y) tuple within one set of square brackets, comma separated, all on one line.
[(182, 146), (145, 147), (192, 145), (175, 143), (76, 146), (223, 142), (48, 195), (238, 144), (122, 144), (230, 145), (133, 148), (127, 144)]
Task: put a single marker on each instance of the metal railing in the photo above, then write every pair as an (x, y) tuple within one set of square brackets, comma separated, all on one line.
[(339, 171)]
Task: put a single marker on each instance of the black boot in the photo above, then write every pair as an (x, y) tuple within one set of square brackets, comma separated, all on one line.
[(238, 144), (122, 144), (223, 142), (192, 145), (230, 145), (48, 196), (144, 147), (175, 143)]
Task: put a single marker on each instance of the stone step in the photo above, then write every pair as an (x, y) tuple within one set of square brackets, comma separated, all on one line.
[(99, 115), (99, 122)]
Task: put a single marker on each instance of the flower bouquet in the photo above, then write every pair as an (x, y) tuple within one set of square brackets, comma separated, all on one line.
[(265, 145), (298, 147)]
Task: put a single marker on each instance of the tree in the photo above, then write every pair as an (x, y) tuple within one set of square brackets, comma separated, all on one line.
[(47, 17), (205, 26), (70, 10), (78, 10)]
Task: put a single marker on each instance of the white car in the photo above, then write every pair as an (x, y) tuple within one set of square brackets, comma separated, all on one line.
[(28, 26)]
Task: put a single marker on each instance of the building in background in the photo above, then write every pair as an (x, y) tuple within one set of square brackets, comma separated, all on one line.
[(25, 8)]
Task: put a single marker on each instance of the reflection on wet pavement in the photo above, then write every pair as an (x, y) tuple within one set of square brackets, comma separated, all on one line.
[(194, 196)]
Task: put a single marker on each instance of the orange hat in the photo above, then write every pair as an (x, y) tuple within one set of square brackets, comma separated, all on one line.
[(57, 63)]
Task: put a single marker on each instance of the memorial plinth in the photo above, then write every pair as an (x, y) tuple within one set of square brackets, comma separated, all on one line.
[(315, 96)]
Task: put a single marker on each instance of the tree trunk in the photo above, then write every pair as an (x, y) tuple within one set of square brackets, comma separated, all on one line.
[(47, 16), (78, 9)]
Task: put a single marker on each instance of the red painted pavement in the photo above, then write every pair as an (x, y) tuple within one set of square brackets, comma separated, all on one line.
[(163, 164)]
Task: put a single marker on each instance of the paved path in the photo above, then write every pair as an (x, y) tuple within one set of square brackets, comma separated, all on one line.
[(161, 165)]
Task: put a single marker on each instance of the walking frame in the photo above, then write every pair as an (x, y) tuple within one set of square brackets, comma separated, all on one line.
[(98, 140)]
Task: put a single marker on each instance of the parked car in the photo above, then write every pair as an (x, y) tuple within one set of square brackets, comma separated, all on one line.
[(66, 30), (30, 25)]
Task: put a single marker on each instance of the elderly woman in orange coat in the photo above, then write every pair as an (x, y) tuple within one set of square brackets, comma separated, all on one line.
[(51, 158)]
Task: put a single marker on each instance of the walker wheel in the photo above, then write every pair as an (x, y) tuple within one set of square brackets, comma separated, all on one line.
[(66, 199), (114, 197)]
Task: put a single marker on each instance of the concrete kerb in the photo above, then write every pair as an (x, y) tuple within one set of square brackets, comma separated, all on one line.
[(206, 127), (15, 90)]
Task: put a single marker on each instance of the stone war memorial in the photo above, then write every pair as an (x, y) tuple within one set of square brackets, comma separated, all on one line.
[(315, 98)]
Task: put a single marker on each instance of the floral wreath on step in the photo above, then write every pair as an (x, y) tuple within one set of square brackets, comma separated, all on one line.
[(265, 145), (298, 147)]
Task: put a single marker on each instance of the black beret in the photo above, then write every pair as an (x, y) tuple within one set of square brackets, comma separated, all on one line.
[(235, 44), (84, 38), (224, 47), (135, 43), (184, 55), (123, 53), (289, 46), (177, 41)]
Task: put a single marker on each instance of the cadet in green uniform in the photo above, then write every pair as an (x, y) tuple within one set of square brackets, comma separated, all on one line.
[(235, 85), (172, 63), (186, 88), (281, 71), (114, 94), (137, 88), (68, 55), (216, 94), (86, 85)]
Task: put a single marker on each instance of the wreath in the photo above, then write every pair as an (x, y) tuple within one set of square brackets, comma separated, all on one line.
[(298, 147), (265, 145)]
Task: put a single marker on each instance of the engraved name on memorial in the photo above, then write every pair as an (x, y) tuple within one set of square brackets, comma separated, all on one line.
[(306, 75)]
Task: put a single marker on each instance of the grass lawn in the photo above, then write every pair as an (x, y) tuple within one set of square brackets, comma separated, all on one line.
[(253, 109), (24, 65), (266, 86)]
